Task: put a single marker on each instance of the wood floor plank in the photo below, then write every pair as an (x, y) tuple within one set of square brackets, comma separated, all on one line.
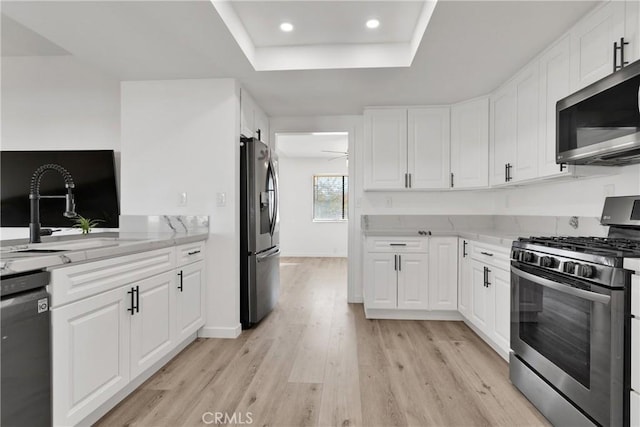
[(317, 361)]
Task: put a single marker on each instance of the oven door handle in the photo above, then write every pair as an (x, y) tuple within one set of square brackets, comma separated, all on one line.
[(580, 293)]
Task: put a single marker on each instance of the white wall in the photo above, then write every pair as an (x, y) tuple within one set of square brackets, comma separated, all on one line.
[(299, 234), (183, 136), (57, 103)]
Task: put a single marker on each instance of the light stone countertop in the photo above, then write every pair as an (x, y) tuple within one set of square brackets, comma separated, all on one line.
[(137, 234), (493, 237), (500, 230)]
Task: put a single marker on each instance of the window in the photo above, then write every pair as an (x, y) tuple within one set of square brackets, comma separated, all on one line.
[(330, 197)]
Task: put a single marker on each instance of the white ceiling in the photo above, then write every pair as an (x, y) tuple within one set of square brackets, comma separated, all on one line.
[(18, 40), (468, 49), (326, 34), (313, 145), (328, 22)]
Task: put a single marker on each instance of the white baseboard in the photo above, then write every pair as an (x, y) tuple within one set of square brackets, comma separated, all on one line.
[(311, 255), (411, 314), (215, 332)]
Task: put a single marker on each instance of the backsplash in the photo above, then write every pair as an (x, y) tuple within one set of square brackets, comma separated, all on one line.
[(164, 223), (512, 224)]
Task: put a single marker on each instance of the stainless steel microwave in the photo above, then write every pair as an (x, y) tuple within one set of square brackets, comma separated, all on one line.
[(600, 124)]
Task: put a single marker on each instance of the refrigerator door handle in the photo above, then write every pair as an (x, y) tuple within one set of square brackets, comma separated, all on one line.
[(276, 196), (268, 254)]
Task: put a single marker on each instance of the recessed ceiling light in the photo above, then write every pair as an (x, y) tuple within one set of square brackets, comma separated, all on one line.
[(286, 27), (373, 23)]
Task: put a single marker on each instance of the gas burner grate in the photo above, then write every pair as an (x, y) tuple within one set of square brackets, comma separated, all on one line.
[(593, 245)]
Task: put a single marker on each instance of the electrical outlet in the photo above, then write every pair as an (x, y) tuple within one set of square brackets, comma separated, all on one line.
[(182, 199), (221, 199), (388, 201)]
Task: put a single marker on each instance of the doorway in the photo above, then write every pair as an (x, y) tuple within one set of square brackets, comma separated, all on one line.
[(314, 193)]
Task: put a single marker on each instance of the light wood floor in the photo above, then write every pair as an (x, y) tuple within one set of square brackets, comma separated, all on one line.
[(316, 361)]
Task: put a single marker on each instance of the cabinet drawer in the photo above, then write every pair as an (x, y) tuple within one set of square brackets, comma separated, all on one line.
[(635, 354), (397, 245), (635, 295), (189, 252), (81, 281), (490, 254)]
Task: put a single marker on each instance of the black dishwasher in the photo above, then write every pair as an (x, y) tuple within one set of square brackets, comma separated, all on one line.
[(25, 350)]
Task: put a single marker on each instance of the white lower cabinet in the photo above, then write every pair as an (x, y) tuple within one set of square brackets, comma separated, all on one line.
[(410, 277), (413, 290), (485, 293), (396, 281), (190, 299), (465, 279), (443, 273), (103, 342), (502, 308), (152, 323), (90, 354)]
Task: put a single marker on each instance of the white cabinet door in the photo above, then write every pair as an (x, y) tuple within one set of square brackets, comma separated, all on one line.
[(413, 281), (470, 144), (465, 279), (90, 354), (380, 280), (481, 302), (443, 273), (385, 148), (153, 323), (527, 124), (190, 299), (428, 147), (555, 84), (500, 290), (503, 134), (592, 43)]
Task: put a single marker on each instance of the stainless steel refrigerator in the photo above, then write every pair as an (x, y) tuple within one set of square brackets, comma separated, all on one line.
[(260, 231)]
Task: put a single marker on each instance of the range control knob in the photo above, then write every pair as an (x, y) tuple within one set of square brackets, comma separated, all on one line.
[(547, 261), (529, 257), (515, 254), (569, 267), (585, 271)]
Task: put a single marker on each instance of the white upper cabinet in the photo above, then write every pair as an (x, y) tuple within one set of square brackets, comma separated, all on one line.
[(592, 42), (555, 84), (503, 134), (253, 121), (470, 144), (514, 132), (527, 125), (406, 148), (428, 147), (385, 164)]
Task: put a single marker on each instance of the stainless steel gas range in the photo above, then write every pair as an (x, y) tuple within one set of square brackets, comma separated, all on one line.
[(570, 320)]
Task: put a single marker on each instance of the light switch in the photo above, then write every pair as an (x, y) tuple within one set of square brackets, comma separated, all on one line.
[(221, 199), (182, 199), (389, 201)]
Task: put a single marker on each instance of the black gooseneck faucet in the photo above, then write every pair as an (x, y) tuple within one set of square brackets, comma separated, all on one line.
[(34, 198)]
